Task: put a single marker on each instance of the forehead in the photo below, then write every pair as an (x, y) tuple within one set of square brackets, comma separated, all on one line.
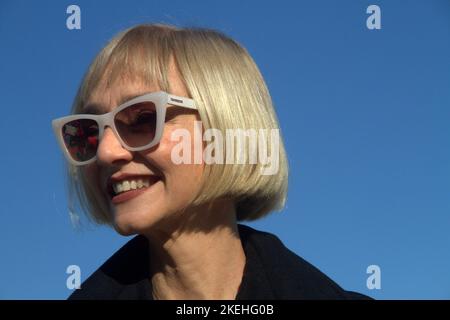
[(107, 97), (109, 94)]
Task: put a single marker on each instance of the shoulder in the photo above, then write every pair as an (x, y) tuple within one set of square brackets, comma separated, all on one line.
[(123, 276), (288, 276)]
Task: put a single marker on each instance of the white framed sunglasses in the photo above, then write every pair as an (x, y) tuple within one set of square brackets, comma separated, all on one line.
[(138, 124)]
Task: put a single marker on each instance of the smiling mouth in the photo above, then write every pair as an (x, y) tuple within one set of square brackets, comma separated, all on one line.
[(131, 184)]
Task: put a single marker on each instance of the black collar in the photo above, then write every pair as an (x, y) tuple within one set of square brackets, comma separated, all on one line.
[(271, 272)]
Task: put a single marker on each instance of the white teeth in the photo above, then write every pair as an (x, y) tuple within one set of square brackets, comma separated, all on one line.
[(127, 185)]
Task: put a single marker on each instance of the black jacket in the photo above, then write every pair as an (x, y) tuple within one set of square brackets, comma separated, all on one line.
[(271, 272)]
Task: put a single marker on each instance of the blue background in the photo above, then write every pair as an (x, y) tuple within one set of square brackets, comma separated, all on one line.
[(365, 115)]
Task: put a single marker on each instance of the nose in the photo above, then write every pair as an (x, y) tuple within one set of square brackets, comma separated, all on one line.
[(110, 151)]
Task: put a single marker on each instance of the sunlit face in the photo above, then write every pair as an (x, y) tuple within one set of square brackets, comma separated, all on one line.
[(172, 187)]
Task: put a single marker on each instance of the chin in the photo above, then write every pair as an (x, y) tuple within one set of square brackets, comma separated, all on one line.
[(125, 227), (124, 230), (131, 224)]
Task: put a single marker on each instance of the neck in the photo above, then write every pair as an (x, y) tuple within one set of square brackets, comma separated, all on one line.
[(202, 258)]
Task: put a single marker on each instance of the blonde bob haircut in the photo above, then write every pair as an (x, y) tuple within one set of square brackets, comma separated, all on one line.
[(229, 92)]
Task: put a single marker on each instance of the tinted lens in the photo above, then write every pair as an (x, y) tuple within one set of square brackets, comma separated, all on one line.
[(81, 138), (136, 124)]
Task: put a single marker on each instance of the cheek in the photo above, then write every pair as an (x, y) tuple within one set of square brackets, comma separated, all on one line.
[(90, 173), (163, 154), (184, 177), (91, 176)]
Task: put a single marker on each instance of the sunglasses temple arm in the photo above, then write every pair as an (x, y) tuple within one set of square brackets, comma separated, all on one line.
[(182, 102)]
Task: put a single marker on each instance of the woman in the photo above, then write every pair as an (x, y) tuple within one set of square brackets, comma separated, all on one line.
[(151, 86)]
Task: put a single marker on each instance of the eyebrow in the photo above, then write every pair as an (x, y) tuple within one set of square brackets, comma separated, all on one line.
[(96, 108)]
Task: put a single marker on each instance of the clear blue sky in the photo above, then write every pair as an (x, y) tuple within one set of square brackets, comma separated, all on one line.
[(365, 115)]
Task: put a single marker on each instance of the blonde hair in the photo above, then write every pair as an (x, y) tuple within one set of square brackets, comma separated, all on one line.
[(229, 91)]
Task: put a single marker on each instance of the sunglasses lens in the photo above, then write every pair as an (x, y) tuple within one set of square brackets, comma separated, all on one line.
[(81, 138), (136, 124)]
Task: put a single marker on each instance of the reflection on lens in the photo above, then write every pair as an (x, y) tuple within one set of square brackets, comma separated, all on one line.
[(136, 124), (81, 138)]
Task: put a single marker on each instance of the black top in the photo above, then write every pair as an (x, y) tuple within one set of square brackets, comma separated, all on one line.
[(271, 272)]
